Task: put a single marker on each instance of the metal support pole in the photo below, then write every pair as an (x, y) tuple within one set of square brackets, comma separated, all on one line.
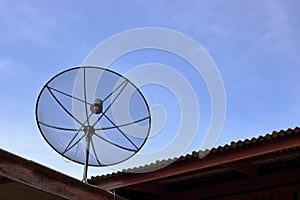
[(89, 131)]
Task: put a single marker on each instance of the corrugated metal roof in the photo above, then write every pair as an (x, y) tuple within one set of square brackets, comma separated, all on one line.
[(197, 154)]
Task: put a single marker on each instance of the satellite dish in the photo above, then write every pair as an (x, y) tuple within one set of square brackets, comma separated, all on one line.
[(93, 116)]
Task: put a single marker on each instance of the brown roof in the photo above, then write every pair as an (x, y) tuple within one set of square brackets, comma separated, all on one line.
[(268, 163), (24, 179), (197, 154)]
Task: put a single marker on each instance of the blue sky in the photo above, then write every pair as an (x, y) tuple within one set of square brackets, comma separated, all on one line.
[(255, 45)]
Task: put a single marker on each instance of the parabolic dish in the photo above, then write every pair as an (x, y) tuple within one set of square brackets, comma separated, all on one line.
[(94, 109)]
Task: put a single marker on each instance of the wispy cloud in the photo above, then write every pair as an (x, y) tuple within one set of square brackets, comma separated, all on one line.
[(33, 24), (278, 20), (5, 64)]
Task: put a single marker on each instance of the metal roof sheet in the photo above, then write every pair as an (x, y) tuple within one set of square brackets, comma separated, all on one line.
[(196, 154)]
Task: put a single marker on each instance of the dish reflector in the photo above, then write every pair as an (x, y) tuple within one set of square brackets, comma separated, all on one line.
[(93, 116)]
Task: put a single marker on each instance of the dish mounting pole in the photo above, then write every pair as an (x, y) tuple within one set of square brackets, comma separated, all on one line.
[(89, 131)]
